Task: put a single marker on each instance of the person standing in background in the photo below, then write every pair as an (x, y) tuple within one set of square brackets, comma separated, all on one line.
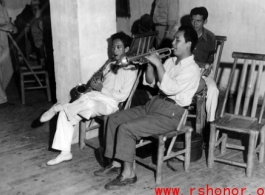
[(6, 69), (165, 16)]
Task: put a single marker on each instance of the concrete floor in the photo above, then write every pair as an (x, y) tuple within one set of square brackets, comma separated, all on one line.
[(25, 149)]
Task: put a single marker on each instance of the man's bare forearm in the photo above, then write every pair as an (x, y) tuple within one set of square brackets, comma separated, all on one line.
[(150, 74)]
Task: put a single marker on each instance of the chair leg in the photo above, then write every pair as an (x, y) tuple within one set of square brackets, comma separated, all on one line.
[(199, 116), (211, 146), (251, 148), (82, 134), (262, 146), (134, 165), (223, 144), (160, 159), (48, 87), (217, 135), (188, 150), (22, 89)]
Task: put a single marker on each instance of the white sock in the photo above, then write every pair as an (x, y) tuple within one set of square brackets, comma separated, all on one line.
[(116, 164)]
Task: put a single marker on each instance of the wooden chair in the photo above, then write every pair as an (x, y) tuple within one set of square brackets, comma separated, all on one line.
[(30, 72), (242, 121), (198, 103), (141, 44), (200, 96), (220, 41), (183, 154), (91, 126)]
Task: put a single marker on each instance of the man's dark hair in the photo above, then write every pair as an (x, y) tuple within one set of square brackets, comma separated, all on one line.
[(189, 35), (199, 11), (126, 39), (146, 23)]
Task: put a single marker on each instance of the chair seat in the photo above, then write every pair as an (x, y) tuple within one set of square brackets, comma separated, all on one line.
[(183, 129), (238, 123)]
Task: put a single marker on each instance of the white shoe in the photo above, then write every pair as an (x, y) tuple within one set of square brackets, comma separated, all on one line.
[(60, 158), (46, 116)]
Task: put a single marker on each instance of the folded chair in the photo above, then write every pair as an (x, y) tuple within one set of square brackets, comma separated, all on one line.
[(141, 44), (198, 103), (200, 97), (32, 75), (183, 154), (242, 121), (162, 156), (91, 126)]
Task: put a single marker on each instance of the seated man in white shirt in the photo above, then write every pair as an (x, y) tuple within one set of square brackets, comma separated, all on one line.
[(178, 80), (102, 100)]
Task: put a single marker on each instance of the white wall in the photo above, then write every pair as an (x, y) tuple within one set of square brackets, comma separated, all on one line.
[(80, 31), (97, 22)]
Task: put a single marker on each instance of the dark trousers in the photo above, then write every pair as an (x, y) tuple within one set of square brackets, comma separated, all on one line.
[(126, 127)]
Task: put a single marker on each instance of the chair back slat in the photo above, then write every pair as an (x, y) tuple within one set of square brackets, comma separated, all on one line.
[(257, 90), (148, 43), (241, 87), (141, 44), (220, 41), (249, 86), (262, 109), (144, 45), (139, 48), (228, 87)]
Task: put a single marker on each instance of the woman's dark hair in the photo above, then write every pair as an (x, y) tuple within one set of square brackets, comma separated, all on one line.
[(126, 39), (190, 35), (199, 11)]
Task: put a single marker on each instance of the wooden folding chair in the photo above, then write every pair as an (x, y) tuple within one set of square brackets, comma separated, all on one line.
[(242, 121), (198, 103), (91, 126), (200, 96), (141, 44), (162, 156), (32, 75)]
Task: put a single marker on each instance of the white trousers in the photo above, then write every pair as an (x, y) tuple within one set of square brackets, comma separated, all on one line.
[(212, 97), (88, 105)]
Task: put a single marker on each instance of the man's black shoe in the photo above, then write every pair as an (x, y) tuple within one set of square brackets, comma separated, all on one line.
[(108, 171), (120, 182)]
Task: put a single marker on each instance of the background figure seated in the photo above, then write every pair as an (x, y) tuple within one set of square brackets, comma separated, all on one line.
[(204, 57), (107, 93)]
